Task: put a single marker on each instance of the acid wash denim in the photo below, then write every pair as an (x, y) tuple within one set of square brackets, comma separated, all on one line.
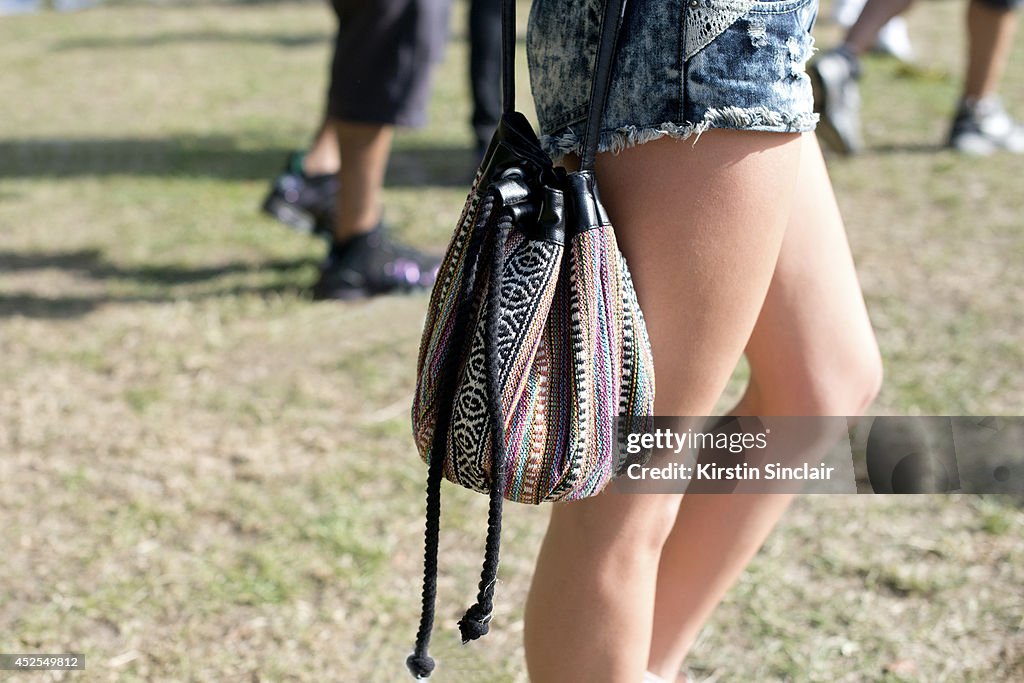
[(681, 67)]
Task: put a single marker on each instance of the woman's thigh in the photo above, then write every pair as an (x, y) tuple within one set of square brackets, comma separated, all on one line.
[(701, 226), (813, 350)]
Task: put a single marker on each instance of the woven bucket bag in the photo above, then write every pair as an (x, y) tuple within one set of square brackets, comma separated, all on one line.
[(534, 349)]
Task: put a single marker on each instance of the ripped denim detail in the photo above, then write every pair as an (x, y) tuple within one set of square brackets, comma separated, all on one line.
[(739, 118), (756, 118)]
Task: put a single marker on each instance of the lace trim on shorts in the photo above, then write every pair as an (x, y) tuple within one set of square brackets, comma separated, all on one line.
[(706, 20)]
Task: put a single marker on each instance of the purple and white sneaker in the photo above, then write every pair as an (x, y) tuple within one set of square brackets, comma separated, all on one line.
[(373, 264)]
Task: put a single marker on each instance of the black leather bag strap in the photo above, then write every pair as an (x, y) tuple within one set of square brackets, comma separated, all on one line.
[(508, 55), (611, 22), (614, 11)]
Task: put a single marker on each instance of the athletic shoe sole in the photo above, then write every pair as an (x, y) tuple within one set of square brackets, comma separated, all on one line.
[(826, 131)]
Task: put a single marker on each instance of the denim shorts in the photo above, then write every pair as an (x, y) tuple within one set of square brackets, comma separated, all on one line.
[(681, 68)]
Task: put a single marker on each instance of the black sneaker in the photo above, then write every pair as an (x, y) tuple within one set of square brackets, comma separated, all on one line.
[(303, 202), (837, 98), (983, 127), (373, 264)]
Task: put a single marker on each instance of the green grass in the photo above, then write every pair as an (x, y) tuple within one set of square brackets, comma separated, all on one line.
[(206, 477)]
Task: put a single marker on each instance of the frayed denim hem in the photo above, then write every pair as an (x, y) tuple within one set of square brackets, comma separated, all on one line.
[(739, 118)]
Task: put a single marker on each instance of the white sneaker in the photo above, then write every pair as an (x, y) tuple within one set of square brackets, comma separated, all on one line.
[(845, 12), (983, 127), (837, 100), (894, 40)]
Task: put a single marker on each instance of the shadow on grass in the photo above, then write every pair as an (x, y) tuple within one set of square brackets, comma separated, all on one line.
[(890, 149), (90, 263), (910, 148), (66, 307), (213, 156), (194, 37)]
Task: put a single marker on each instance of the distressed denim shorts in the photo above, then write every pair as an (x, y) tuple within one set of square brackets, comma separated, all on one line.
[(681, 68)]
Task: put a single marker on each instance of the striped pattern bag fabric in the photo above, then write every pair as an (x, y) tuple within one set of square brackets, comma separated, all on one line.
[(534, 358), (570, 348)]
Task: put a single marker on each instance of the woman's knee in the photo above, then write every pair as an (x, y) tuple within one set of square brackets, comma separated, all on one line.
[(870, 381), (849, 388), (841, 385), (615, 528)]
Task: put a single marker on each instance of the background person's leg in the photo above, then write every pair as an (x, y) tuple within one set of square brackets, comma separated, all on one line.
[(380, 78), (981, 125), (876, 14), (485, 68), (893, 37), (835, 73), (363, 259), (322, 157), (990, 32), (365, 147), (812, 352), (701, 260), (304, 195)]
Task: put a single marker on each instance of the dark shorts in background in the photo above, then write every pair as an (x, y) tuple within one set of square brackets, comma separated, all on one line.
[(1003, 4), (383, 57)]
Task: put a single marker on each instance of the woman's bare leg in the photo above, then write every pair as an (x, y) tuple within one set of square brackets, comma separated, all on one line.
[(701, 226), (812, 352)]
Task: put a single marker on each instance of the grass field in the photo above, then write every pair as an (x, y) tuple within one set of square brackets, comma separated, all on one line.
[(206, 477)]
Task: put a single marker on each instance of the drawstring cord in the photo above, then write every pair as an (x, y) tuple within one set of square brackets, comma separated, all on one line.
[(475, 622), (421, 664)]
